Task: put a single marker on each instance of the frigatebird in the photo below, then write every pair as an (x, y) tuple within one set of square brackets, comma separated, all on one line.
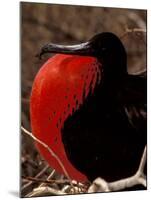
[(90, 110)]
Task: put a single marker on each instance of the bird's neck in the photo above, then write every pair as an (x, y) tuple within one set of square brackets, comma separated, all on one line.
[(114, 66), (112, 80)]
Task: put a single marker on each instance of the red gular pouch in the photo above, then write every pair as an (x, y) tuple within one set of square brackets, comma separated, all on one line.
[(59, 89)]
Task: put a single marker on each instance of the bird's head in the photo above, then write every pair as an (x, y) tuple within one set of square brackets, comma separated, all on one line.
[(106, 47)]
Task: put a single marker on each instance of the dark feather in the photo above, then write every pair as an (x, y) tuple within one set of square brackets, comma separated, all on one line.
[(134, 98)]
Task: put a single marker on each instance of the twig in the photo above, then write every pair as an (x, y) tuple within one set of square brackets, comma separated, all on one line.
[(100, 185), (79, 188), (50, 150), (143, 161), (44, 191), (39, 180), (138, 178), (133, 30), (37, 176), (48, 178)]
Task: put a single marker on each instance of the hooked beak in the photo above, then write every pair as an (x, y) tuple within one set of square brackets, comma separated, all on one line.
[(83, 49)]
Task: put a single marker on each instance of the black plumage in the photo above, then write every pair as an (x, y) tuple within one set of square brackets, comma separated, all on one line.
[(106, 136)]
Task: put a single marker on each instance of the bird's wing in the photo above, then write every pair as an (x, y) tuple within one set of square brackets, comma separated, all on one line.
[(134, 99)]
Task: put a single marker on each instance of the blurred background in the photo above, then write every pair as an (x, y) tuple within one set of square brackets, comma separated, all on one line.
[(68, 24)]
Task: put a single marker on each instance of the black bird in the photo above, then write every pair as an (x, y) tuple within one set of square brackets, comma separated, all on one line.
[(105, 135)]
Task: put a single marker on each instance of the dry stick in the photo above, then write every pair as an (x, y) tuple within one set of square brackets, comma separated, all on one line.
[(48, 178), (140, 171), (51, 152), (137, 178), (126, 183), (137, 31), (134, 30), (43, 191), (143, 161), (39, 180), (79, 188), (62, 181), (37, 176), (39, 192)]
